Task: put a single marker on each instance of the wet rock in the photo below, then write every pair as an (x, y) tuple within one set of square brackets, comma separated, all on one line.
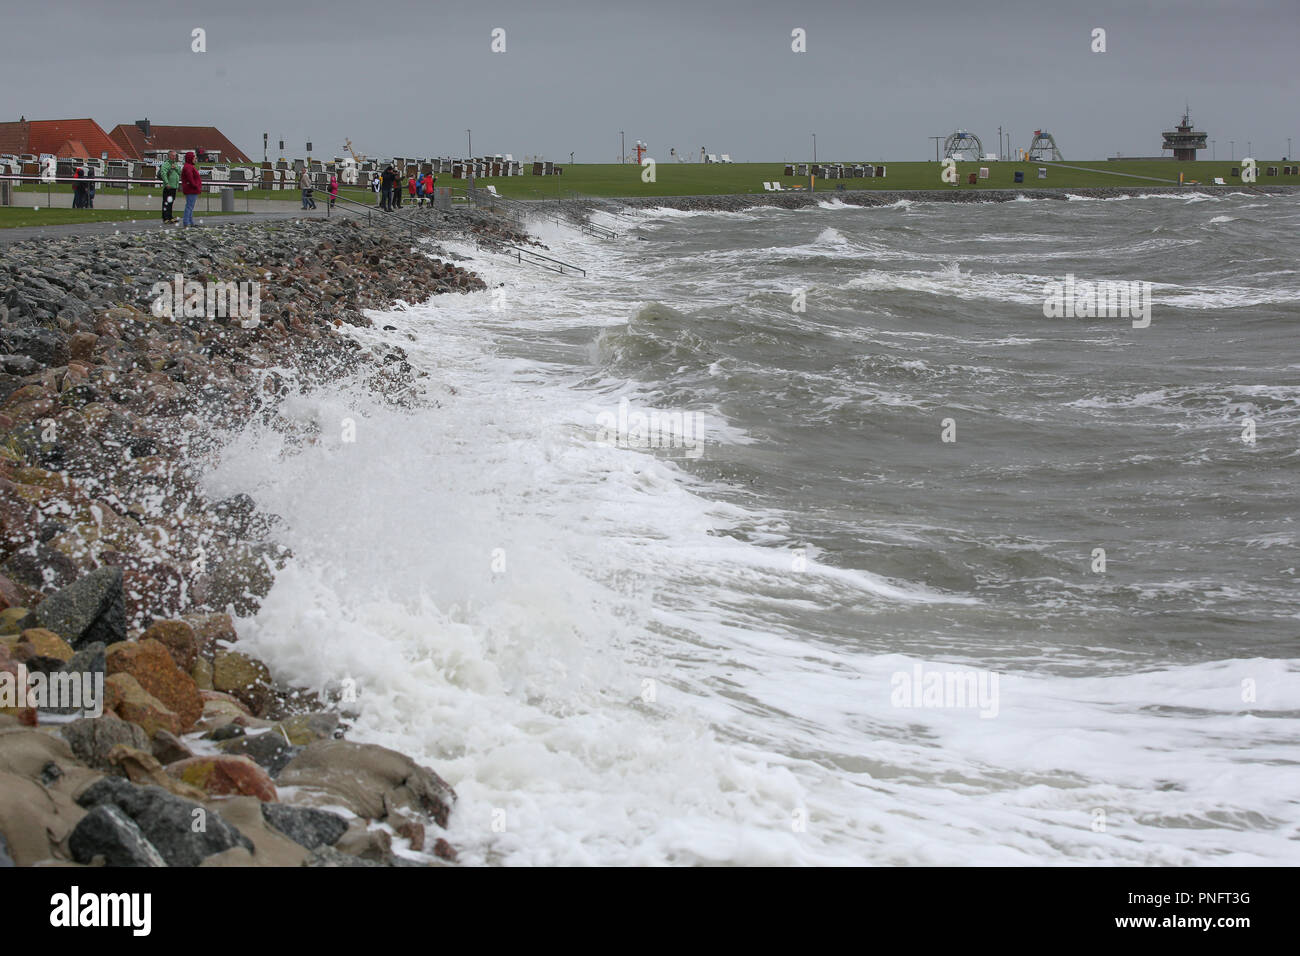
[(330, 857), (305, 825), (268, 750), (167, 820), (304, 729), (225, 775), (369, 780), (211, 631), (244, 678), (107, 832), (168, 748), (90, 609), (125, 697), (44, 346), (93, 738), (178, 637), (149, 662)]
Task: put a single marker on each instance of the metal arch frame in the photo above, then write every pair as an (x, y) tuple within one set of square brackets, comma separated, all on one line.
[(1043, 148), (958, 142)]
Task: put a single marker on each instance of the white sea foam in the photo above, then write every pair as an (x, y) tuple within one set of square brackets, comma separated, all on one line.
[(621, 689)]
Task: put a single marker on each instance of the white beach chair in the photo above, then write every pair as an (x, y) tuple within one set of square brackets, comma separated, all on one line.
[(493, 190), (726, 157), (1218, 181), (767, 187), (712, 158)]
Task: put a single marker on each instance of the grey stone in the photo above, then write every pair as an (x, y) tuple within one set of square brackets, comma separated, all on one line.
[(268, 750), (328, 856), (44, 346), (168, 748), (370, 780), (108, 832), (90, 609), (19, 364), (5, 859), (305, 825), (92, 738), (166, 820)]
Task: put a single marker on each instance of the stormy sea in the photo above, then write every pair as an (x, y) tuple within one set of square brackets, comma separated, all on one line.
[(811, 536)]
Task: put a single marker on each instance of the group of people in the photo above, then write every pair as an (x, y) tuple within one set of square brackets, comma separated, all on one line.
[(83, 191), (307, 186), (388, 188), (187, 179)]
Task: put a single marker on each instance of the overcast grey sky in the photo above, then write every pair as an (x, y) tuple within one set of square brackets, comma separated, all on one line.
[(877, 79)]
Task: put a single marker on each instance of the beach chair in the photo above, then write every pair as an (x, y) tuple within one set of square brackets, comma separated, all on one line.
[(767, 187), (493, 190), (1218, 181), (726, 157), (713, 158)]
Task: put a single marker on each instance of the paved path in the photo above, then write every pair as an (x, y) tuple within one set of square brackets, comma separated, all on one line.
[(153, 224)]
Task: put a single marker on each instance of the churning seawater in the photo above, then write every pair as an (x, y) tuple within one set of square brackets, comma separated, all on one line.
[(629, 655)]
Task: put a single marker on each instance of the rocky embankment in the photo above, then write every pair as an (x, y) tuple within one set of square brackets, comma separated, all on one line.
[(877, 197), (117, 572)]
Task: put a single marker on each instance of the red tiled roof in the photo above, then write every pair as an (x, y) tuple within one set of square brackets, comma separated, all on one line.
[(58, 136), (13, 138), (180, 138)]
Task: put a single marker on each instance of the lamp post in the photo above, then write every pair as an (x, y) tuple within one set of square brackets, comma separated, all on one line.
[(936, 147), (1248, 149), (1232, 143), (622, 148), (1212, 156), (469, 138)]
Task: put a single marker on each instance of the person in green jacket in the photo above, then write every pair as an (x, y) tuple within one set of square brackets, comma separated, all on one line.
[(170, 174)]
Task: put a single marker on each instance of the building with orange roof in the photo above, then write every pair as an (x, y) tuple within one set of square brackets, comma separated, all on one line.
[(66, 139), (145, 140)]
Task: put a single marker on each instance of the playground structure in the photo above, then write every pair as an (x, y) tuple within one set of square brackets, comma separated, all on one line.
[(961, 145), (1043, 148)]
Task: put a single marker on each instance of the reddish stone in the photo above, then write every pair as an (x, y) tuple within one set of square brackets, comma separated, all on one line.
[(150, 663), (444, 850), (178, 638), (225, 775)]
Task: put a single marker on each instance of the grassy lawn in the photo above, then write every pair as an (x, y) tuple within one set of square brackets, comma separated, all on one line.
[(698, 179), (13, 216)]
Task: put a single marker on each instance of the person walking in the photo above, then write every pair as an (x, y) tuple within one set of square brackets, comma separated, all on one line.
[(413, 188), (386, 189), (170, 174), (191, 186), (78, 189), (429, 180), (334, 189), (304, 183), (374, 186)]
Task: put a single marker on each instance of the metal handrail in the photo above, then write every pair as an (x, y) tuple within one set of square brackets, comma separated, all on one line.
[(526, 209), (102, 180)]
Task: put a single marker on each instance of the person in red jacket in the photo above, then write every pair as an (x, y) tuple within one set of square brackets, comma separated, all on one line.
[(191, 186), (426, 188)]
